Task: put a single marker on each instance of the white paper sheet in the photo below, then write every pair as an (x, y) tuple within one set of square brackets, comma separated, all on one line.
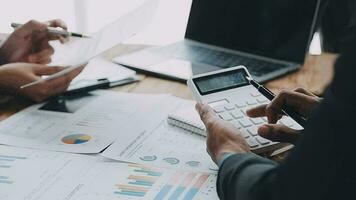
[(98, 68), (80, 51), (154, 142), (84, 125), (40, 175)]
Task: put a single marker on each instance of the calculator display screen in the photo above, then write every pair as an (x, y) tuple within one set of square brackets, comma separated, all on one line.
[(220, 82)]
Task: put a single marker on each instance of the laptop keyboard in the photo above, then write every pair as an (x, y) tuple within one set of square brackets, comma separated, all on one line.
[(222, 59)]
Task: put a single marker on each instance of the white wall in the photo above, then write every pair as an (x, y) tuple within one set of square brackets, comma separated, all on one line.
[(168, 25)]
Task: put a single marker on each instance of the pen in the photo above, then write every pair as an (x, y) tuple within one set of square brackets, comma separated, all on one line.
[(56, 31), (287, 110), (100, 84)]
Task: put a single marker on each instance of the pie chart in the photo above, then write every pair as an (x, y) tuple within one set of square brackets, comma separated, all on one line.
[(76, 139)]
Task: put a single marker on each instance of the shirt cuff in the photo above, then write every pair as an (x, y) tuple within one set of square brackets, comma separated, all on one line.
[(224, 157)]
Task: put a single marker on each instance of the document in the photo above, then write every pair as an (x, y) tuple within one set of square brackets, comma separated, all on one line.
[(80, 50), (99, 68), (154, 142), (42, 175), (83, 124)]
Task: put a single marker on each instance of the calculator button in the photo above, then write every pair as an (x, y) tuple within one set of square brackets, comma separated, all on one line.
[(252, 131), (287, 121), (219, 109), (237, 125), (251, 102), (255, 94), (243, 111), (226, 116), (261, 99), (244, 134), (252, 142), (240, 104), (245, 122), (262, 140), (257, 121), (229, 106), (237, 114)]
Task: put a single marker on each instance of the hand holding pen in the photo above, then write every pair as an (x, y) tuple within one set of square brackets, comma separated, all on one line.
[(297, 104), (56, 31)]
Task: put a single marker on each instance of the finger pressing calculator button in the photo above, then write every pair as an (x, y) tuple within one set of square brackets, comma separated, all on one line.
[(226, 116), (257, 121), (245, 122), (262, 140), (219, 109), (252, 131), (252, 142), (237, 114), (229, 106)]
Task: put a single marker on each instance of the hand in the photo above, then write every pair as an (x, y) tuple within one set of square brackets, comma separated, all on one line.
[(300, 99), (222, 137), (30, 43), (13, 76)]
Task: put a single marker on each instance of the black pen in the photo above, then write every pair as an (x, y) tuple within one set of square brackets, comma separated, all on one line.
[(287, 110), (100, 84)]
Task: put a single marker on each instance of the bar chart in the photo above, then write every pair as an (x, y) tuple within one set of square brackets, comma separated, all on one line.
[(188, 186), (7, 162), (139, 182), (146, 182)]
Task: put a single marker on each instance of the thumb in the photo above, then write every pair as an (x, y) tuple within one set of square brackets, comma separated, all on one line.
[(279, 133), (46, 70)]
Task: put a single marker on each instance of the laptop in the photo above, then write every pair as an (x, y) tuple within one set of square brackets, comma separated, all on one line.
[(270, 38)]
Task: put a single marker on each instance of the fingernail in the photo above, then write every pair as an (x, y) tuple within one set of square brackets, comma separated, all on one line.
[(263, 130)]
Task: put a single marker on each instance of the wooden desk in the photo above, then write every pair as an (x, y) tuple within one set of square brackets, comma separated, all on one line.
[(314, 76)]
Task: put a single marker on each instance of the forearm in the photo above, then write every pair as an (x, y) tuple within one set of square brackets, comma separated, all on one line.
[(245, 176)]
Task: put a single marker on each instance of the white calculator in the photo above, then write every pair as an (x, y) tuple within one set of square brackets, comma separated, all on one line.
[(230, 94)]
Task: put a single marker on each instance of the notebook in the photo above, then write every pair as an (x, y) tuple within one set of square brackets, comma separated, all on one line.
[(187, 118)]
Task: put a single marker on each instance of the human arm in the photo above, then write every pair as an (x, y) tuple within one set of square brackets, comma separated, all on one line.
[(13, 76), (321, 166)]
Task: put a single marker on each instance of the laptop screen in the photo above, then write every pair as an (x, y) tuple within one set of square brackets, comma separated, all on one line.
[(279, 29)]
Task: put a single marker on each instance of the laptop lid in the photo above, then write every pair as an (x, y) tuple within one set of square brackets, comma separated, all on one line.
[(278, 29)]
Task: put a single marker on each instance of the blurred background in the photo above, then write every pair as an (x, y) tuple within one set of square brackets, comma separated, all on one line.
[(88, 16)]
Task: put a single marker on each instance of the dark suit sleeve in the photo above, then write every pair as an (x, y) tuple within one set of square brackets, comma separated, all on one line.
[(323, 163)]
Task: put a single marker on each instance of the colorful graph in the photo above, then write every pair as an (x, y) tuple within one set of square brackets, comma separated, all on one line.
[(76, 139), (139, 182), (7, 162), (187, 189)]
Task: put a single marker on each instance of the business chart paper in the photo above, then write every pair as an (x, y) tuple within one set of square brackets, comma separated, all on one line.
[(154, 142), (83, 124), (41, 175)]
